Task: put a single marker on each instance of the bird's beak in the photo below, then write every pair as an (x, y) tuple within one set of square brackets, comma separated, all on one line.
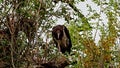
[(58, 35)]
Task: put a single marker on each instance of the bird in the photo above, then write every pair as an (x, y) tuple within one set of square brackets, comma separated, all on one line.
[(62, 38)]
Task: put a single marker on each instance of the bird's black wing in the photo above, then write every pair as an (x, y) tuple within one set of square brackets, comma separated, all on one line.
[(68, 36)]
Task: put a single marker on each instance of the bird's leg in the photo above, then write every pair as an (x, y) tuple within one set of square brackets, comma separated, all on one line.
[(59, 47)]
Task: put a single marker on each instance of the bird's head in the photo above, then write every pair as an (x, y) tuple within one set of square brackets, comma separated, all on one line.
[(58, 32)]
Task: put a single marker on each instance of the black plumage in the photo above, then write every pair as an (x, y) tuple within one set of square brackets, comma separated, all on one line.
[(62, 38)]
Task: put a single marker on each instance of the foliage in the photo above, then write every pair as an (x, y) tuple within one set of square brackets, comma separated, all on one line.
[(25, 33)]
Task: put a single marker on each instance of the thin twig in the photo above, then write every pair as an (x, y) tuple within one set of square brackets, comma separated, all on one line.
[(11, 46)]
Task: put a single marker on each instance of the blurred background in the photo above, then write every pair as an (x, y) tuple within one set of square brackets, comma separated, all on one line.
[(26, 40)]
